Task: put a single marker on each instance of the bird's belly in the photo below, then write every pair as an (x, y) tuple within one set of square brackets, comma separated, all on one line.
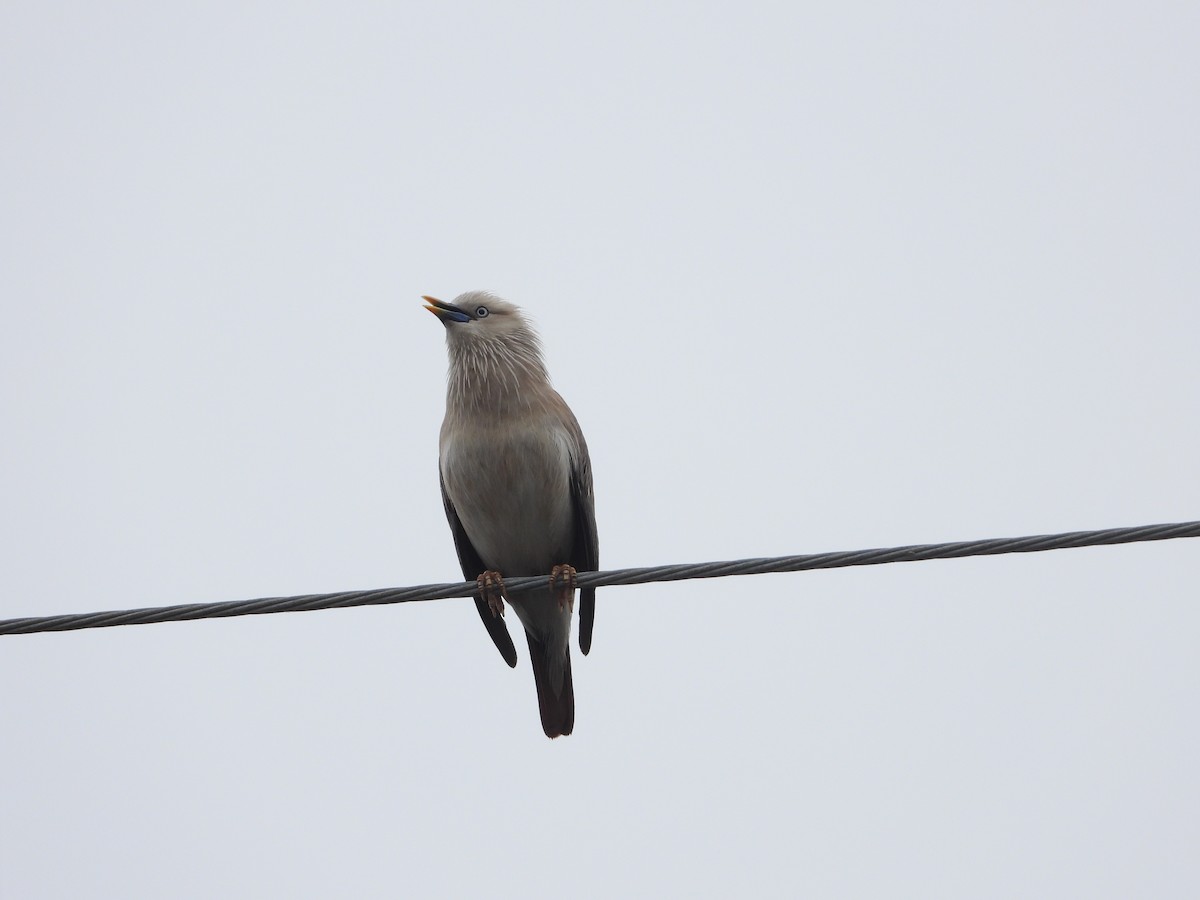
[(513, 498)]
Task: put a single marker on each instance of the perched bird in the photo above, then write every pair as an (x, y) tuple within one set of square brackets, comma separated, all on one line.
[(517, 487)]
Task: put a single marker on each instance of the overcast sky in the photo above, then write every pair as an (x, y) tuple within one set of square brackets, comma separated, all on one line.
[(812, 279)]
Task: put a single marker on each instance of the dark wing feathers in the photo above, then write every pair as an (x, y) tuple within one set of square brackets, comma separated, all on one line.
[(472, 567), (585, 554)]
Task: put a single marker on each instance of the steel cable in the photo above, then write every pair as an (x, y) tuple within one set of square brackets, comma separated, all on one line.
[(643, 575)]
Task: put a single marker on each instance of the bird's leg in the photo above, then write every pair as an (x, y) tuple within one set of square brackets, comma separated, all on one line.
[(491, 589), (562, 584)]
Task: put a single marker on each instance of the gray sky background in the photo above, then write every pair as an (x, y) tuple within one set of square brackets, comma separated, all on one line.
[(812, 278)]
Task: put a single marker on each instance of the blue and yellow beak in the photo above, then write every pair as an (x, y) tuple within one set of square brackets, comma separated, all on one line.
[(447, 312)]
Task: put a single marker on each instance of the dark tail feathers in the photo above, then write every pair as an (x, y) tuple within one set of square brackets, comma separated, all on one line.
[(557, 707)]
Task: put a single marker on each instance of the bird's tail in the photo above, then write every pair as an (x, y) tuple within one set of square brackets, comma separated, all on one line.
[(556, 693)]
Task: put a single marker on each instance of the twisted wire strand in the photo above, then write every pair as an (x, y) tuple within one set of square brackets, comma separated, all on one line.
[(642, 575)]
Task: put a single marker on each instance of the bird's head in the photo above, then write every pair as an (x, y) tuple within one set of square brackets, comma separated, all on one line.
[(479, 316), (495, 355)]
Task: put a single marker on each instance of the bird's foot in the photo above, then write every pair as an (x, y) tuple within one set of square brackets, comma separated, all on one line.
[(491, 589), (562, 584)]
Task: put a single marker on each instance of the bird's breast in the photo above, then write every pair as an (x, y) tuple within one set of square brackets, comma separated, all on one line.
[(511, 489)]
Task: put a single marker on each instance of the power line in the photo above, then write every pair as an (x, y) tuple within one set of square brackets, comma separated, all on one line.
[(307, 602)]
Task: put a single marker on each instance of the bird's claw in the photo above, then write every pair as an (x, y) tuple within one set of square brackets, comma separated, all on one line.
[(491, 589), (562, 584)]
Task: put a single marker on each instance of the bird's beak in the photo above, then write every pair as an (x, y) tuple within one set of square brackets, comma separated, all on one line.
[(447, 312)]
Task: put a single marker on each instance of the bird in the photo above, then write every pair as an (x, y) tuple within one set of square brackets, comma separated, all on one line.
[(516, 483)]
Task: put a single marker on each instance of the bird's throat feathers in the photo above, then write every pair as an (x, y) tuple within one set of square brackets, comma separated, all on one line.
[(496, 374)]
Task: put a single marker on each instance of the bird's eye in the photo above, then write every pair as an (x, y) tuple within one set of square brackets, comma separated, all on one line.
[(481, 312)]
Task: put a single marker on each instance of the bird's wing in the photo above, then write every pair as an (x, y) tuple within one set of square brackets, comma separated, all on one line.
[(472, 567), (585, 554)]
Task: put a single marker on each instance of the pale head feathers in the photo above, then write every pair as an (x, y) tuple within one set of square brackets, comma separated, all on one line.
[(495, 356)]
